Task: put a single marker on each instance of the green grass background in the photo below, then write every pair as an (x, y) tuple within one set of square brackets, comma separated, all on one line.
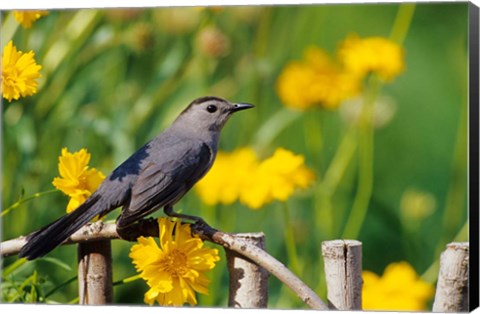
[(111, 80)]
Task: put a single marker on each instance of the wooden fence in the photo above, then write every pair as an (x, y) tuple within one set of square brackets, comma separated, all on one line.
[(249, 266)]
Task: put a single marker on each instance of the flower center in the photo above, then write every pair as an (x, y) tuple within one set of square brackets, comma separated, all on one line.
[(175, 263)]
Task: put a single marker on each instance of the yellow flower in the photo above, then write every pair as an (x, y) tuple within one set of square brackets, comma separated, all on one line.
[(27, 17), (251, 181), (76, 179), (399, 289), (276, 178), (372, 54), (315, 81), (19, 72), (226, 179), (318, 80), (174, 270), (416, 205)]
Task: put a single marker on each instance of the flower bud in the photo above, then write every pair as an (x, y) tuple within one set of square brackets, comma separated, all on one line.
[(213, 43)]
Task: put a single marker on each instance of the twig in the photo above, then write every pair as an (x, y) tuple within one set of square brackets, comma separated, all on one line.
[(91, 232), (98, 231)]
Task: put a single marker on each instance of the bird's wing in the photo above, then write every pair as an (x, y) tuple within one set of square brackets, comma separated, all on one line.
[(166, 180)]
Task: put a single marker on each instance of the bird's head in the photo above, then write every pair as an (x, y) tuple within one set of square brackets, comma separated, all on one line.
[(209, 113)]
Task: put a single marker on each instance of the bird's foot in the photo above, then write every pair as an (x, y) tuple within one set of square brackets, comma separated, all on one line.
[(170, 213)]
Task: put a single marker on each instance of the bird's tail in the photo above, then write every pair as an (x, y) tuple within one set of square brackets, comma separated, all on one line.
[(49, 237)]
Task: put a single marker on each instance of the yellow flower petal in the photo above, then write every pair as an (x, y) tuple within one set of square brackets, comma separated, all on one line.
[(200, 284), (399, 289), (27, 17), (150, 296), (76, 200), (161, 281), (145, 252), (76, 179), (93, 179)]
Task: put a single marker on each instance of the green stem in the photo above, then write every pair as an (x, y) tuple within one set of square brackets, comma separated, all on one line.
[(26, 199), (430, 275), (65, 283), (462, 235), (340, 162), (273, 126), (12, 267), (9, 27), (126, 280), (328, 186), (365, 170), (455, 200), (293, 264), (366, 141), (402, 22), (261, 40), (74, 301), (314, 140), (290, 240)]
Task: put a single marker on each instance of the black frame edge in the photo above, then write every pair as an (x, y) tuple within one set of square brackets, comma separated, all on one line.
[(473, 44)]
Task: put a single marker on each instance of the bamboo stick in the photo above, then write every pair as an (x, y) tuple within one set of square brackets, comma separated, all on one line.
[(452, 285), (248, 286), (95, 272), (343, 273)]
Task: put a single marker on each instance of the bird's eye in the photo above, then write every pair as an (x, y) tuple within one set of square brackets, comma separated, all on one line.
[(211, 108)]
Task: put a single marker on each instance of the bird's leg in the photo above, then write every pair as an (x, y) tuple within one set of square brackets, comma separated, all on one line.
[(168, 210)]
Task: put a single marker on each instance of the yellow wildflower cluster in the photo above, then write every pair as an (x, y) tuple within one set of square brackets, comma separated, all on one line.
[(318, 80), (315, 81), (174, 271), (27, 17), (399, 289), (19, 73), (240, 175), (76, 179), (373, 54)]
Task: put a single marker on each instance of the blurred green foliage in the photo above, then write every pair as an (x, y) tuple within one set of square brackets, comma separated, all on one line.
[(112, 79)]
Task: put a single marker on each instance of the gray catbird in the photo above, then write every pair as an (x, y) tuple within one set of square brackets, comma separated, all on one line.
[(157, 175)]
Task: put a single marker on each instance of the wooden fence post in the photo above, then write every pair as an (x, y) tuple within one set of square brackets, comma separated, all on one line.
[(95, 272), (452, 285), (343, 273), (248, 282)]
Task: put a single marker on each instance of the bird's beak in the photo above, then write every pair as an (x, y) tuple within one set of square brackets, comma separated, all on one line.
[(241, 106)]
